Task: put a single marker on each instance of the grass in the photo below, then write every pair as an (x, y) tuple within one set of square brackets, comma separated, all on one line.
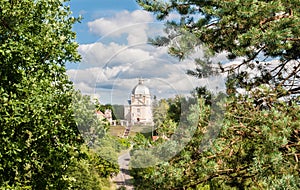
[(118, 131)]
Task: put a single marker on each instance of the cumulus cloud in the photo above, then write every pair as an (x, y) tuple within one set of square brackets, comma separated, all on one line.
[(134, 24), (111, 66)]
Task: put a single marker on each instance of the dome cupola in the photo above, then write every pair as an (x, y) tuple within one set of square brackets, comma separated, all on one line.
[(140, 88)]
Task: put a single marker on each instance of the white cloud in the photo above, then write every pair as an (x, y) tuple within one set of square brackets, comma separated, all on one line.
[(99, 54), (134, 24), (111, 67)]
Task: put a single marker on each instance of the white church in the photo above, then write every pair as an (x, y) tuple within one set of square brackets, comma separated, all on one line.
[(139, 110)]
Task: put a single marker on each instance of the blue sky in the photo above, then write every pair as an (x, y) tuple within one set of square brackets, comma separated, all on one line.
[(112, 39), (93, 9)]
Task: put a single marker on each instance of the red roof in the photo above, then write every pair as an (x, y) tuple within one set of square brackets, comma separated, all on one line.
[(154, 138)]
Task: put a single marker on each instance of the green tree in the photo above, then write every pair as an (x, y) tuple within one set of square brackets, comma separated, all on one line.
[(160, 111), (254, 150), (118, 111), (96, 161), (258, 144), (38, 130), (254, 30), (169, 113), (102, 108), (89, 171), (175, 108)]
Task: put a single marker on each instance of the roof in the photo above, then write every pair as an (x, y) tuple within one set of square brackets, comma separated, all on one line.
[(140, 88)]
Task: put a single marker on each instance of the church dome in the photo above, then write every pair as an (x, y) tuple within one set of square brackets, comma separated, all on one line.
[(141, 88)]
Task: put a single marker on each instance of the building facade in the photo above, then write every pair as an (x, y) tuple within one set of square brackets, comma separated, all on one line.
[(139, 108)]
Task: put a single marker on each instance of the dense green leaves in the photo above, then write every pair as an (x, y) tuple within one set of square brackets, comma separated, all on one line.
[(240, 27), (36, 114), (256, 145), (255, 149), (38, 130), (45, 126), (252, 30), (90, 171)]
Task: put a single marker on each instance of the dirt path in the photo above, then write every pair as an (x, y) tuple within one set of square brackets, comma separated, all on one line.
[(123, 178)]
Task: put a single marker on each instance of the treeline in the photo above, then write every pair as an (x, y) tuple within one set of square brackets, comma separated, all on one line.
[(117, 110), (249, 138), (50, 135), (223, 142)]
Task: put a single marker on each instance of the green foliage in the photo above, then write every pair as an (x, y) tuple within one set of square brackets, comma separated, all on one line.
[(170, 113), (89, 171), (139, 140), (167, 128), (117, 110), (125, 143), (253, 30), (257, 146), (38, 130), (204, 68), (255, 149), (88, 124), (122, 188), (160, 110), (242, 28), (41, 116), (175, 108)]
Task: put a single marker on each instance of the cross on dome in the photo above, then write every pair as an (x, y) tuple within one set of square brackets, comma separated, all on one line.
[(140, 88), (141, 81)]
